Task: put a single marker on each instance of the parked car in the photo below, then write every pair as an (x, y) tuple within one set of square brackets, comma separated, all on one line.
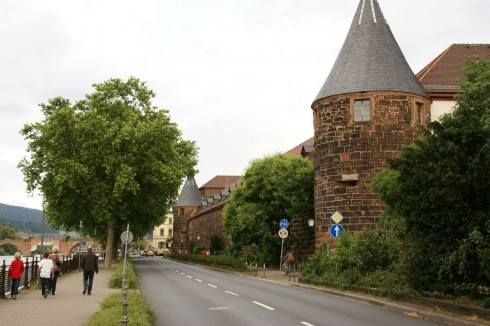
[(149, 253)]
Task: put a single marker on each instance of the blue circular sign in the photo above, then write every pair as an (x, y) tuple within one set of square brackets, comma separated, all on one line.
[(284, 223), (336, 230)]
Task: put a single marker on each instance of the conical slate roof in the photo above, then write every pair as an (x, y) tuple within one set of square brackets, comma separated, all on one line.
[(370, 59), (189, 195)]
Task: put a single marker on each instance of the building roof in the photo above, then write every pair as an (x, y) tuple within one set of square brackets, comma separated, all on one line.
[(370, 58), (441, 75), (189, 195), (296, 150), (221, 181)]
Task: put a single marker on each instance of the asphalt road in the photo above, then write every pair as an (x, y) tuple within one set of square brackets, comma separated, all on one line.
[(182, 294)]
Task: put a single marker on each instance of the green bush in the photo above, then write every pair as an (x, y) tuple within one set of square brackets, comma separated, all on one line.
[(220, 261)]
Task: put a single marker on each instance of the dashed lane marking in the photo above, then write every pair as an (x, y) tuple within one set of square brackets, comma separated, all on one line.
[(306, 324), (232, 293), (213, 286), (198, 280), (263, 305)]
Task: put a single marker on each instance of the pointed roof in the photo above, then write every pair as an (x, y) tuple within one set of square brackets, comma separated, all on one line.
[(189, 195), (370, 59)]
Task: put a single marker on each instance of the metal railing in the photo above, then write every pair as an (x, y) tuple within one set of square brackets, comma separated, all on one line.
[(30, 277)]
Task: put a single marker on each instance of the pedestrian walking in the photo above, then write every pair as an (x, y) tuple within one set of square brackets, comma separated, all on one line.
[(90, 264), (57, 261), (15, 273), (46, 271)]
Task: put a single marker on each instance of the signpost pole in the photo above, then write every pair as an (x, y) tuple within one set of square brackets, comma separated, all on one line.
[(280, 258)]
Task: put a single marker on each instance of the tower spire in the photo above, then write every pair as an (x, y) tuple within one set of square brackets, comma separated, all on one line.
[(370, 58)]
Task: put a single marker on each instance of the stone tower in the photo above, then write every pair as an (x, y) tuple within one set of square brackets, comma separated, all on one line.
[(368, 108), (188, 203)]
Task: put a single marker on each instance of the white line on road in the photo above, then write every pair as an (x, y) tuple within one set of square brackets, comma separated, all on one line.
[(182, 273), (213, 286), (263, 305), (189, 276), (232, 293), (198, 280), (306, 324)]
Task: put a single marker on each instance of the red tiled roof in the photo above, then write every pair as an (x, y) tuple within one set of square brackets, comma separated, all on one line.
[(297, 149), (221, 181), (441, 75)]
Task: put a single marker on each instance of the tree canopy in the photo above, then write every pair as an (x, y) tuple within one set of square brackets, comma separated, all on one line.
[(273, 188), (107, 160), (8, 232), (440, 186)]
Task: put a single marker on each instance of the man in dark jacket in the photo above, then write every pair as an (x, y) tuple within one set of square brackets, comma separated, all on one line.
[(90, 264)]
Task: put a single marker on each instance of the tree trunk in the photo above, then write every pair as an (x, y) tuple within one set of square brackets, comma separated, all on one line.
[(109, 245)]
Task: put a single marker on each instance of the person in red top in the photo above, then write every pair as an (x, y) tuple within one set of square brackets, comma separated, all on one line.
[(15, 273)]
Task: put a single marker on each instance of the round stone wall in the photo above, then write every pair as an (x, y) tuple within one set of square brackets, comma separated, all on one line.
[(348, 153)]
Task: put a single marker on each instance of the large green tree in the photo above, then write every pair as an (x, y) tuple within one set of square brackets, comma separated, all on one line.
[(440, 186), (273, 188), (108, 160)]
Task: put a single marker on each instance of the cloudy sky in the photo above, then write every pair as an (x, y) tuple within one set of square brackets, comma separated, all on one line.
[(238, 76)]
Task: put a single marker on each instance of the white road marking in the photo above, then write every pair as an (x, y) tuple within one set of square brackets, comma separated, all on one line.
[(182, 273), (198, 280), (306, 324), (189, 276), (213, 286), (232, 293), (263, 305), (218, 308)]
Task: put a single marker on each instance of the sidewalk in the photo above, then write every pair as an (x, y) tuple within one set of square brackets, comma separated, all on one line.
[(69, 305)]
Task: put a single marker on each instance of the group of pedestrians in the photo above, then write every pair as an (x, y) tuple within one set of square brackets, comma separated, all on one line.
[(49, 269)]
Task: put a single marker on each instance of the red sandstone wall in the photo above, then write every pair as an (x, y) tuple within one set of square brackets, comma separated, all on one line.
[(345, 147)]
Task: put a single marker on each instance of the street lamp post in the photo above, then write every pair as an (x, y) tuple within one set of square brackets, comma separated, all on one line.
[(42, 231)]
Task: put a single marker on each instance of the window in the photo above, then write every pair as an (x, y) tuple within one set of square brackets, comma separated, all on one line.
[(162, 232), (169, 220), (362, 110), (169, 232), (419, 113)]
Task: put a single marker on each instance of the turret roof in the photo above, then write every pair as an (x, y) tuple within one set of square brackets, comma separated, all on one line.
[(189, 195), (370, 59)]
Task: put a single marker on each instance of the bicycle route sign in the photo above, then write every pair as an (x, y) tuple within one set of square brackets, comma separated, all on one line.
[(284, 223)]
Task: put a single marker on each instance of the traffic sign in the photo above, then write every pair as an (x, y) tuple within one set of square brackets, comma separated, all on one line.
[(126, 234), (336, 217), (284, 223), (283, 233), (336, 230)]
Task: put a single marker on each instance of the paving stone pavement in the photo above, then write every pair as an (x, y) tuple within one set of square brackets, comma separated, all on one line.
[(68, 307)]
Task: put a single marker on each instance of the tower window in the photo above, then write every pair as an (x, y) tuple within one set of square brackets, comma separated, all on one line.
[(419, 113), (362, 110)]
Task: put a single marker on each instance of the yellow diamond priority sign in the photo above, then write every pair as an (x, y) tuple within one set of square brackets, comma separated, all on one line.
[(336, 217)]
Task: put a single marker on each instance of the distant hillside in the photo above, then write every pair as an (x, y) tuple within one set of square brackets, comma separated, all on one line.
[(23, 219)]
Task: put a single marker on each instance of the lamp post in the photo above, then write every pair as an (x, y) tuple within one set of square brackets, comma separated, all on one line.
[(42, 231), (181, 246), (199, 242)]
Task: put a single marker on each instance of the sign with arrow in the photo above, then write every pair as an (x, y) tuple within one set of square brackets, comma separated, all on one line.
[(336, 230)]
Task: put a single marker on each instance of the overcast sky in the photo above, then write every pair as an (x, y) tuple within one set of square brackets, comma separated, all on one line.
[(238, 76)]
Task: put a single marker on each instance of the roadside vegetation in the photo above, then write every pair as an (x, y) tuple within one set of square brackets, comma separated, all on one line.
[(111, 311), (434, 238)]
